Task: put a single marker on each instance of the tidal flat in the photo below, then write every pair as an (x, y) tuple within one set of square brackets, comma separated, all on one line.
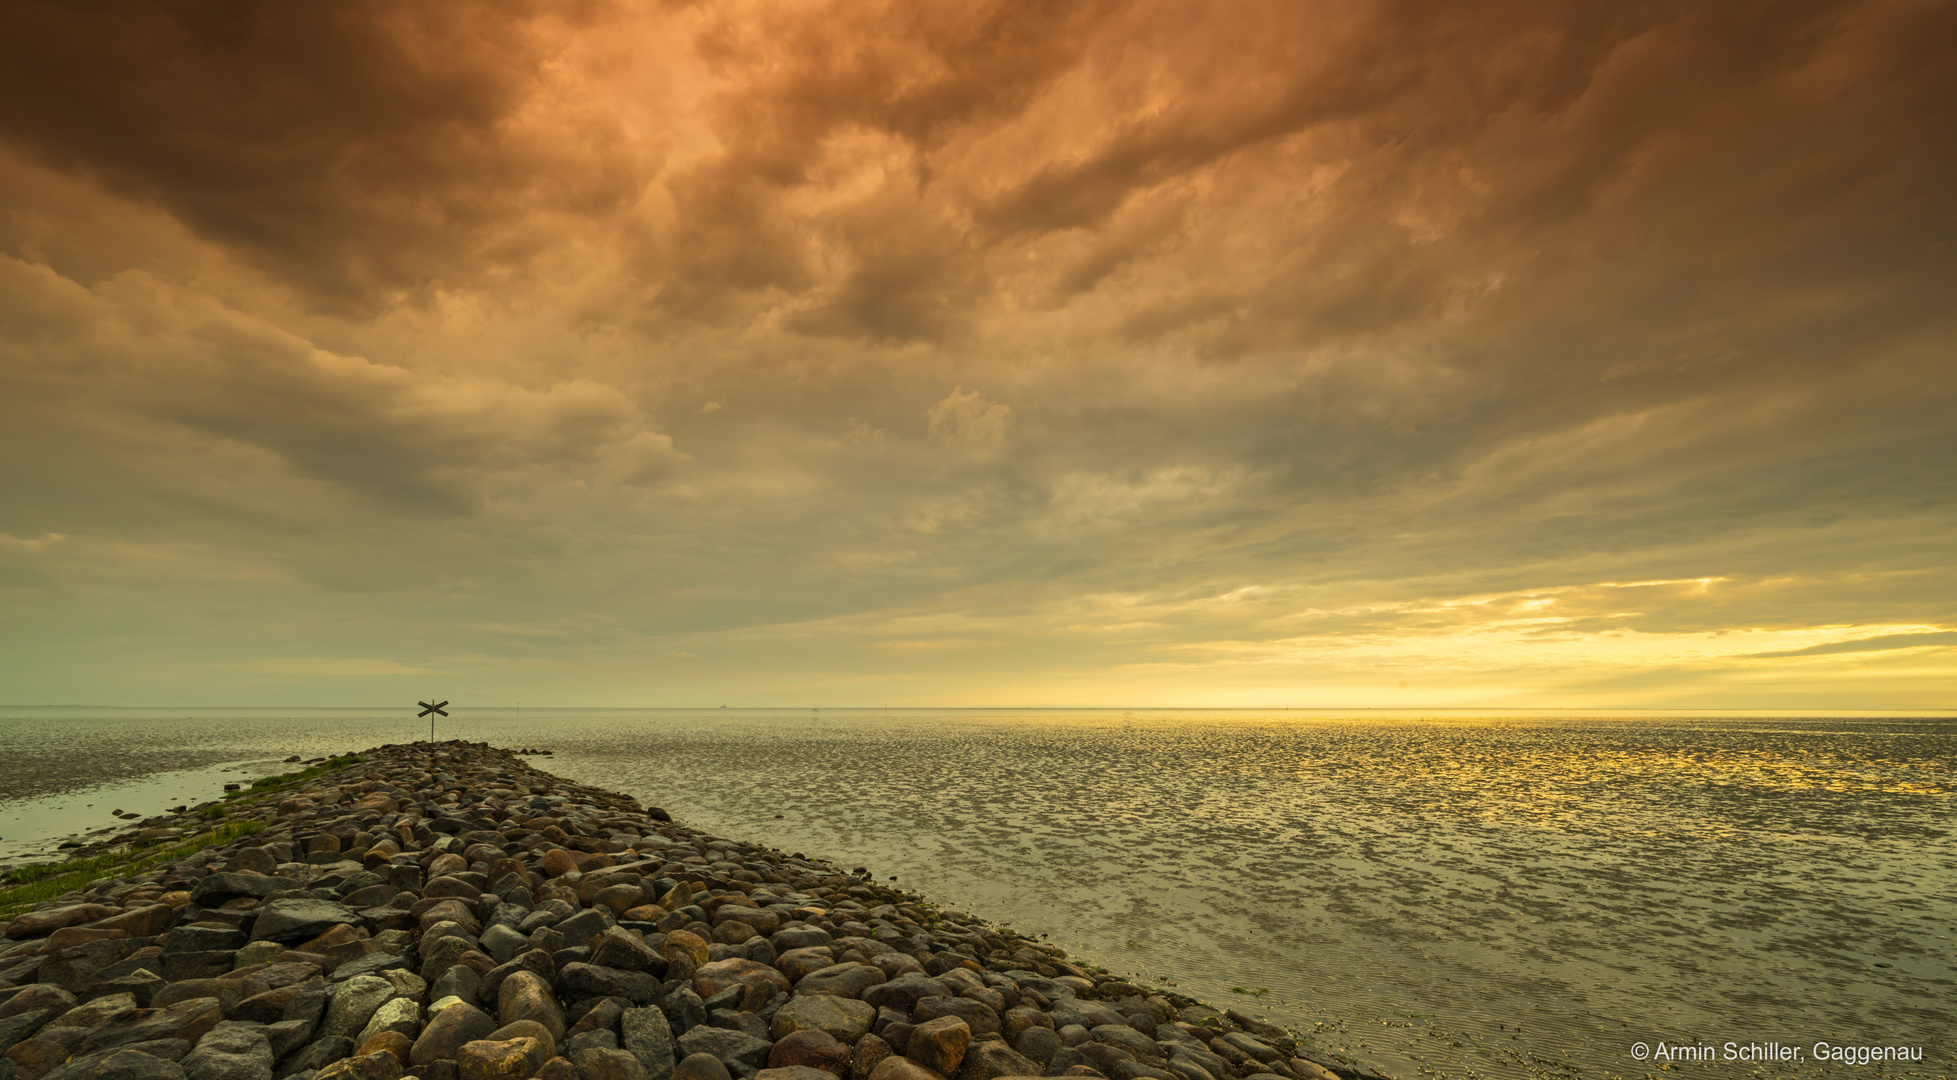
[(1455, 894)]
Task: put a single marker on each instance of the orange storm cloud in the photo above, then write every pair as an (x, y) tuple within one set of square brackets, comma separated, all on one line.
[(1273, 352)]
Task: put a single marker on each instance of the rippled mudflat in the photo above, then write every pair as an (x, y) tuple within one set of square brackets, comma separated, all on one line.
[(1456, 893)]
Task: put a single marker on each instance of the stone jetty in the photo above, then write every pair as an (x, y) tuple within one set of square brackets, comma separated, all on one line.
[(445, 911)]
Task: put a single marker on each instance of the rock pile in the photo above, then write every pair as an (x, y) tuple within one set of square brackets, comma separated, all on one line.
[(445, 911)]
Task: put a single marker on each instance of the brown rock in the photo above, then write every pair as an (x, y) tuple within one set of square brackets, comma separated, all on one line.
[(186, 1020), (447, 1031), (700, 1067), (1019, 1019), (866, 1055), (557, 1068), (844, 980), (977, 1014), (813, 1048), (988, 1060), (381, 1066), (617, 948), (42, 923), (526, 996), (679, 944), (1103, 1056), (1084, 1070), (762, 982), (939, 1045), (619, 898), (733, 933), (449, 910), (602, 1064), (796, 963), (36, 1057), (558, 862), (35, 997), (228, 992), (509, 1059), (70, 936), (897, 1067), (793, 1072), (446, 887), (526, 1029), (394, 1042)]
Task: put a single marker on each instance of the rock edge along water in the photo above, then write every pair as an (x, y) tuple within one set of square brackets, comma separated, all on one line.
[(446, 911)]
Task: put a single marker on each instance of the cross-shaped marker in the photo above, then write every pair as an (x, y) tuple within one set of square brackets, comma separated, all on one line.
[(435, 708)]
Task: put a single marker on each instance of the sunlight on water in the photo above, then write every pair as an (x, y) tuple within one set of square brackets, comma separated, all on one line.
[(1460, 894)]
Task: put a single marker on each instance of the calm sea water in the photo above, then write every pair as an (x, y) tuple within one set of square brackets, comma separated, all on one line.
[(1452, 894)]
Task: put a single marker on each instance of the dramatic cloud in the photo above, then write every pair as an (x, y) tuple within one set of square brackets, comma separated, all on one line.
[(1118, 351)]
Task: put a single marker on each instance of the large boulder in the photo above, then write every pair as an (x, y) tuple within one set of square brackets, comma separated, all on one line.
[(293, 919), (648, 1037), (231, 1051), (843, 1019)]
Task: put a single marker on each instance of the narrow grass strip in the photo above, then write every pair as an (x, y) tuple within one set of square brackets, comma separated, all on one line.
[(45, 881)]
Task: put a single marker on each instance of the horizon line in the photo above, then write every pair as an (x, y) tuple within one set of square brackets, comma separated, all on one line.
[(1022, 708)]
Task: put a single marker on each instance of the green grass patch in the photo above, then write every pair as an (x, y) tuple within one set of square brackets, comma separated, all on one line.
[(265, 785), (31, 885)]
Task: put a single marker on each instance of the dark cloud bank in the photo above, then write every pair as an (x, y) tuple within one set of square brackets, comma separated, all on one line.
[(1028, 350)]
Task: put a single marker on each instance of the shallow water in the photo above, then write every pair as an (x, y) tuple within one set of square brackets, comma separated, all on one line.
[(1457, 894)]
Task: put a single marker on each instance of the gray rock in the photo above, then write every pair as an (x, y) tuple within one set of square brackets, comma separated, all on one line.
[(120, 1064), (187, 1020), (231, 1051), (1088, 1014), (1128, 1039), (582, 927), (460, 981), (844, 1019), (1038, 1043), (214, 890), (316, 1055), (21, 1026), (354, 1004), (800, 936), (1047, 988), (585, 1041), (370, 964), (502, 943), (648, 1037), (1203, 1058), (684, 1010), (308, 1004), (745, 1022), (195, 938), (288, 1035), (1252, 1045), (1065, 1058), (1186, 1067), (590, 980), (296, 919), (732, 1048), (396, 1014), (904, 991)]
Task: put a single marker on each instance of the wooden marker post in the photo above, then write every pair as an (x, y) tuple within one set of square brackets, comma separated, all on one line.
[(430, 711)]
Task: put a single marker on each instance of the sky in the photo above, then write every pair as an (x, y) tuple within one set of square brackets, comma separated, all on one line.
[(984, 352)]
